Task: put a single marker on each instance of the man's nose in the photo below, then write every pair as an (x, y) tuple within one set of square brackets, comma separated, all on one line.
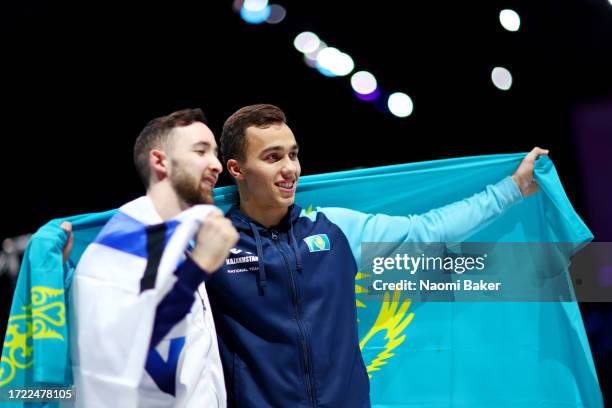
[(216, 166), (289, 167)]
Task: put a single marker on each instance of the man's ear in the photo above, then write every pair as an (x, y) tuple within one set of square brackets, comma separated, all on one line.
[(158, 164), (234, 169)]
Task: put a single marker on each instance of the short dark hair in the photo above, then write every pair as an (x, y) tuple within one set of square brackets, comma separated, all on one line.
[(233, 137), (155, 136)]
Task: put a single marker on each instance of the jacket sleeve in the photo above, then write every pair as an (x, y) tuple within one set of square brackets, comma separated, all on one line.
[(452, 223)]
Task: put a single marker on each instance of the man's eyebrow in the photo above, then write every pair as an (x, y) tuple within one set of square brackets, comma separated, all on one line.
[(271, 149), (206, 145), (278, 148)]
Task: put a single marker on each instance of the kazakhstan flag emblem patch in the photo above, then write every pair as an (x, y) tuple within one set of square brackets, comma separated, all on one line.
[(316, 243)]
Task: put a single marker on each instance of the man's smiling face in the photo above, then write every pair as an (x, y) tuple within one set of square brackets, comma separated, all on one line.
[(271, 168)]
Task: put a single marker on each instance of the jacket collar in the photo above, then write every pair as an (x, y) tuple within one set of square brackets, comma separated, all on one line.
[(243, 222)]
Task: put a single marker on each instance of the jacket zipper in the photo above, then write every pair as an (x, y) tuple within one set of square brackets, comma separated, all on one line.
[(301, 330)]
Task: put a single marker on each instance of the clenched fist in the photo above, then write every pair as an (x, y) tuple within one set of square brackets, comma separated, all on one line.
[(216, 237)]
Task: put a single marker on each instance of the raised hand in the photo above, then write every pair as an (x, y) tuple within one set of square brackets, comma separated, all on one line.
[(523, 176)]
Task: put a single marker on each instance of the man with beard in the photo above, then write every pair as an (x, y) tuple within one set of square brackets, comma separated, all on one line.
[(135, 313)]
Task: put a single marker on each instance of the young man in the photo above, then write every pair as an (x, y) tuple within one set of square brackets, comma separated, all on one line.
[(284, 303), (128, 349)]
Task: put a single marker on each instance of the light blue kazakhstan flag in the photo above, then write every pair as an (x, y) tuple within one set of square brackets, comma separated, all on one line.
[(35, 348), (442, 354)]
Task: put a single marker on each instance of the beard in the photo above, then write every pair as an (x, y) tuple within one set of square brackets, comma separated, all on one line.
[(189, 188)]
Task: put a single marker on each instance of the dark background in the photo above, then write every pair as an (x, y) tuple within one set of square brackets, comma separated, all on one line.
[(79, 81)]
